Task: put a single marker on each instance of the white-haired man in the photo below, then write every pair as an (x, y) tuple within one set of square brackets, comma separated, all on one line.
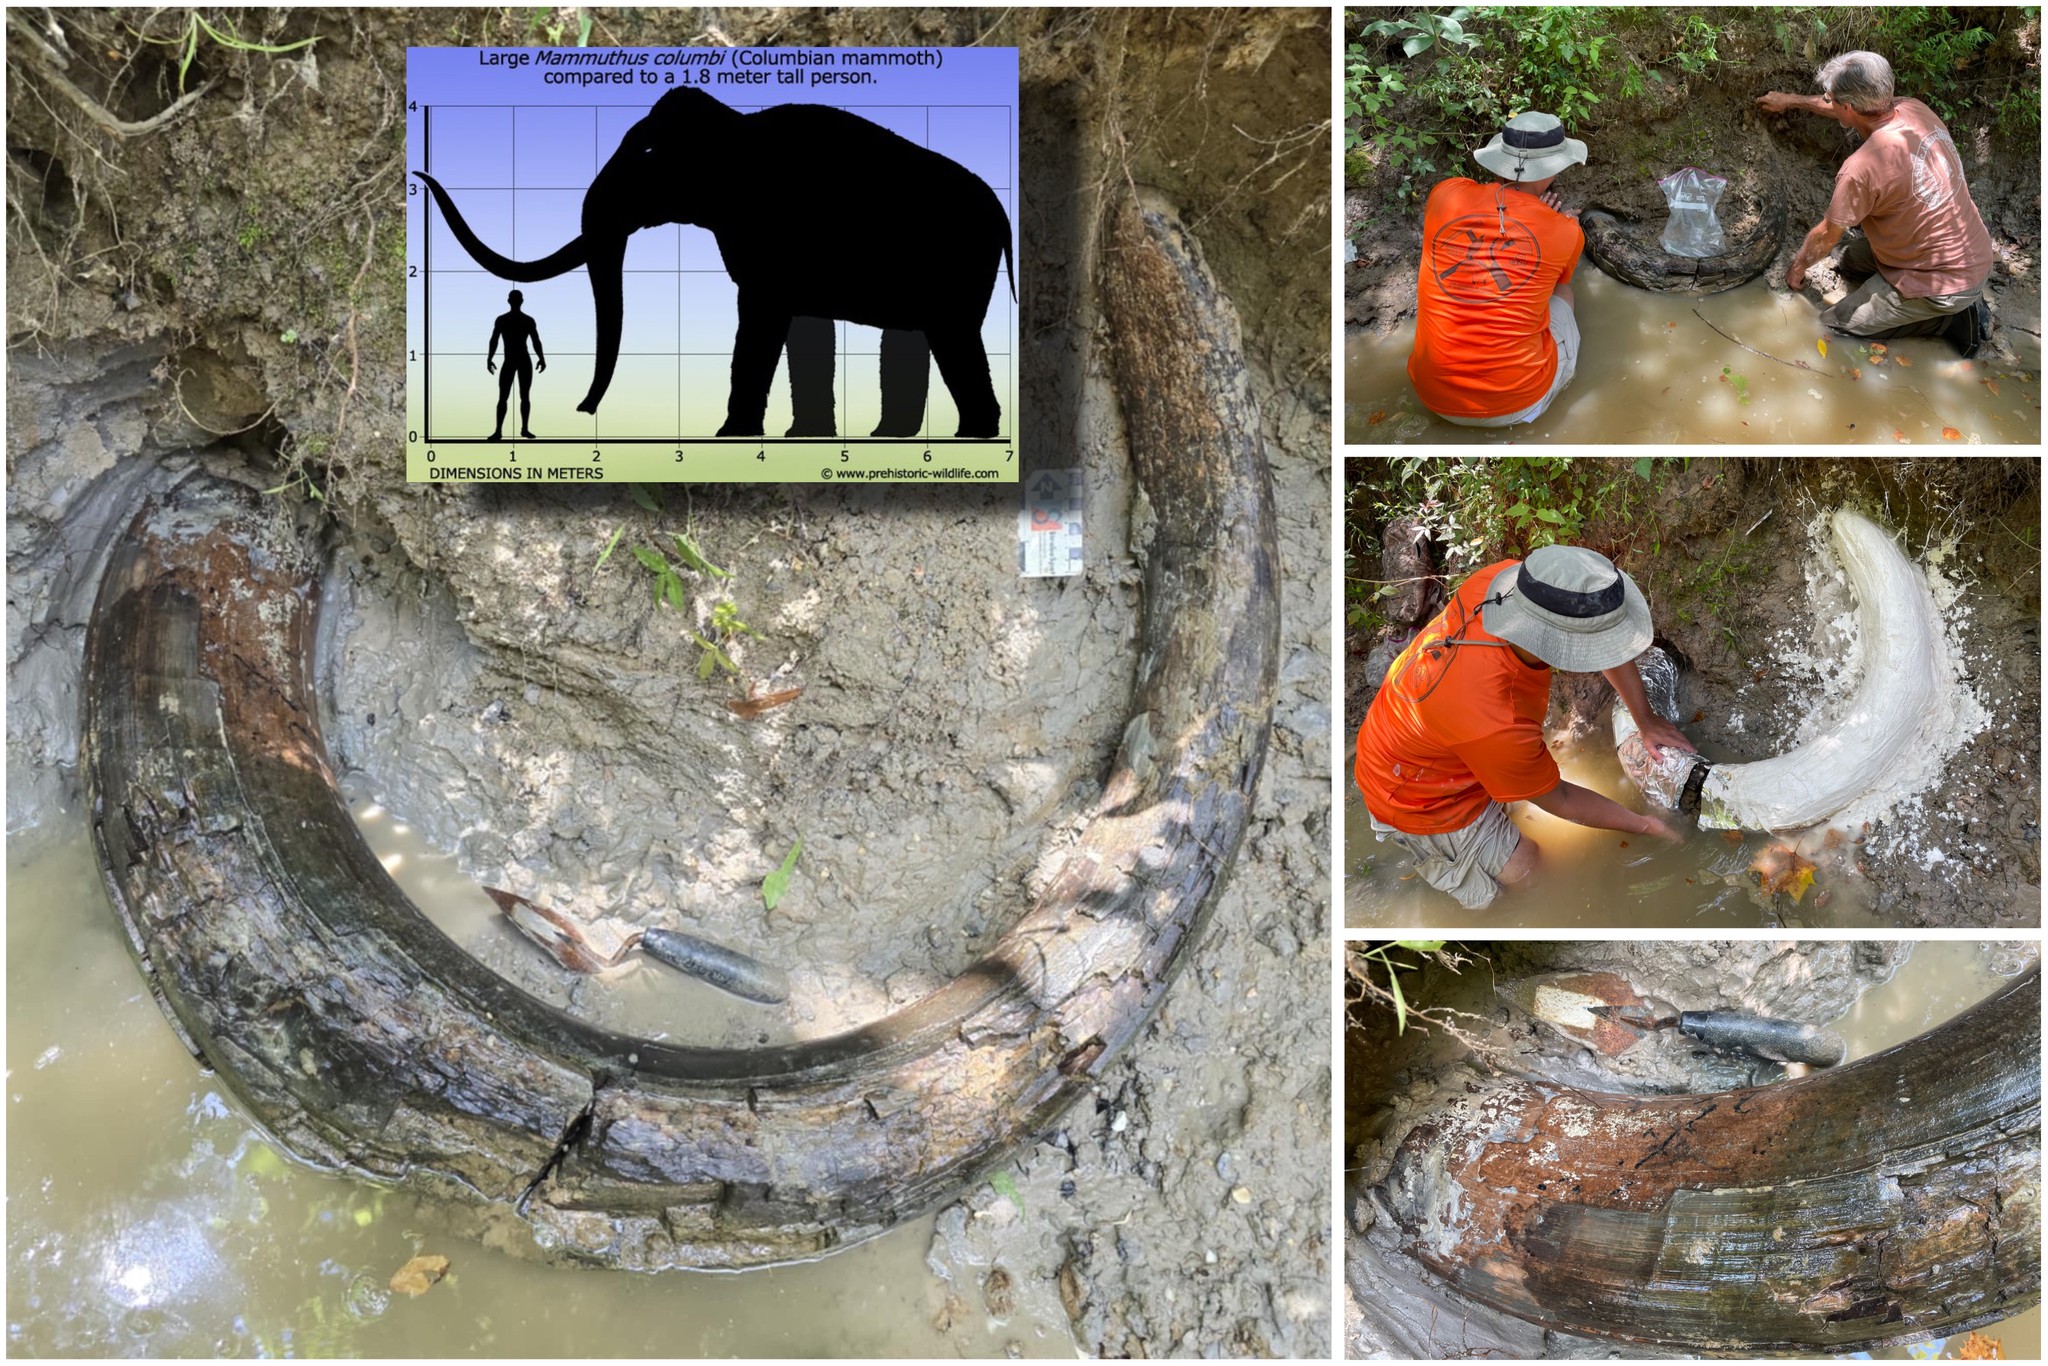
[(1923, 243)]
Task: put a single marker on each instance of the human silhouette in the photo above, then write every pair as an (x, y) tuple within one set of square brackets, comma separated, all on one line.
[(906, 379), (516, 329)]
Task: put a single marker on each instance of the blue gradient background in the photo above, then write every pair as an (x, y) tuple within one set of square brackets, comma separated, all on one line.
[(516, 156)]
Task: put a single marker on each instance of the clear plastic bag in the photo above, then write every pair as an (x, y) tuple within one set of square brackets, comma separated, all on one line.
[(1693, 230)]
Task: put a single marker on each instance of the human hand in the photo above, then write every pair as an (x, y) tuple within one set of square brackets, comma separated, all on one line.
[(1776, 102), (1550, 198), (1660, 735), (541, 366), (1653, 826), (1795, 278), (490, 367)]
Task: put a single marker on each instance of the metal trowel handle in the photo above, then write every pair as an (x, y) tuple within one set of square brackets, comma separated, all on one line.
[(1778, 1040), (724, 968)]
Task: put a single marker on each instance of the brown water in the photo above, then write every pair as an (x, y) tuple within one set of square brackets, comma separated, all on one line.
[(148, 1217), (1599, 877), (1650, 371)]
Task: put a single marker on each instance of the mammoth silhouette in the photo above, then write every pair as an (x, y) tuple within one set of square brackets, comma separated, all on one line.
[(818, 213)]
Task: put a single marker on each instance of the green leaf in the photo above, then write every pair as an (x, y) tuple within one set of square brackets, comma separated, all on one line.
[(672, 589), (706, 661), (1518, 510), (1549, 515), (1419, 945), (1418, 43), (1400, 1001), (644, 498), (653, 559), (1006, 1188), (772, 888), (694, 558), (1643, 467), (609, 547)]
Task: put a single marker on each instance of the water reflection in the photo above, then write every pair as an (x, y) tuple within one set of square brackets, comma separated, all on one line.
[(147, 1217), (1652, 371)]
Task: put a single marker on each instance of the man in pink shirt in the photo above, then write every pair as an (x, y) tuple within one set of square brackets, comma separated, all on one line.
[(1922, 243)]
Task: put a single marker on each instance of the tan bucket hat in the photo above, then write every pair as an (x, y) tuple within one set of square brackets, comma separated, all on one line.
[(1571, 608), (1532, 147)]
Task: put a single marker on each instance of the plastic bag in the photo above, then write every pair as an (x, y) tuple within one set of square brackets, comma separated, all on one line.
[(1693, 230)]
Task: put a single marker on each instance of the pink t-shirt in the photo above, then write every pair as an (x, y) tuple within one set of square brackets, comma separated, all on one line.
[(1905, 188)]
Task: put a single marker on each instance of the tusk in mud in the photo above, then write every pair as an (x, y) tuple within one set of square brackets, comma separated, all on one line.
[(366, 1041), (1895, 1197), (1887, 732)]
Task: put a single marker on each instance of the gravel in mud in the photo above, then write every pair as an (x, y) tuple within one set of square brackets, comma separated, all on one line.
[(545, 719)]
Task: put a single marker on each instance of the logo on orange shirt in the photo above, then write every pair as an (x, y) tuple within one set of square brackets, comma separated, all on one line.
[(1484, 256)]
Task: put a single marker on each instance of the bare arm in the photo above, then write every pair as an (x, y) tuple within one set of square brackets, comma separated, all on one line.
[(1818, 243), (491, 356), (533, 330), (1777, 102), (1658, 734), (1583, 806)]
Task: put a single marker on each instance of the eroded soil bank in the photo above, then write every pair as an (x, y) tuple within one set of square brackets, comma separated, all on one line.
[(527, 719), (1709, 119), (1875, 995), (1721, 548)]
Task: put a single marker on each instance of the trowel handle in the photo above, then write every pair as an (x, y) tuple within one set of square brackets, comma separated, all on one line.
[(727, 969), (1778, 1040)]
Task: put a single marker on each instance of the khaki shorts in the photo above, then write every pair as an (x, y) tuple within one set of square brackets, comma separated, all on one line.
[(1466, 863), (1564, 330)]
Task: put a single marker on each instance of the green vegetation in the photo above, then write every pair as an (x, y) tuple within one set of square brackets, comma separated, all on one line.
[(776, 883), (196, 24), (1425, 85)]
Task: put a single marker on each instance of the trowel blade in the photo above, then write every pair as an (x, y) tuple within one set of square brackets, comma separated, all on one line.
[(1566, 1001)]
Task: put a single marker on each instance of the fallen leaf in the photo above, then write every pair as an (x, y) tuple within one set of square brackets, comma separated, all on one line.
[(1877, 358), (1855, 372), (1780, 868), (1991, 384), (1877, 348), (1377, 418), (1977, 1347), (1903, 359), (417, 1276), (750, 707), (1732, 836), (1834, 839), (1951, 434), (1407, 877), (1698, 717), (776, 883), (1898, 435), (1822, 346)]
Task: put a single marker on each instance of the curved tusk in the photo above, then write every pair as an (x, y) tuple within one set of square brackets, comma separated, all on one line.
[(1892, 1198), (561, 262), (367, 1041), (1886, 737)]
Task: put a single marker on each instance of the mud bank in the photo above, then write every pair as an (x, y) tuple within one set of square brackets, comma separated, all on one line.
[(1709, 119), (1874, 995), (541, 722), (1723, 553)]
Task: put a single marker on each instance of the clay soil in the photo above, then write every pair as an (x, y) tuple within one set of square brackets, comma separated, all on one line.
[(1748, 517), (1711, 121), (229, 289)]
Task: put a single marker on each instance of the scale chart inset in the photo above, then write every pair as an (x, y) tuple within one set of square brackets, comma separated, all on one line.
[(711, 264)]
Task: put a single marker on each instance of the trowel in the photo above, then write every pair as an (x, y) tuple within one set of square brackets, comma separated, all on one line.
[(593, 946), (1604, 1011)]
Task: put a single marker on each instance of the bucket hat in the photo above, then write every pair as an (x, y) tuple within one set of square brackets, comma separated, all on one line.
[(1571, 608), (1532, 147)]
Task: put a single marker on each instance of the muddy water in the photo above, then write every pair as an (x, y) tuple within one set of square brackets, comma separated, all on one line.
[(147, 1217), (1600, 878), (1651, 372)]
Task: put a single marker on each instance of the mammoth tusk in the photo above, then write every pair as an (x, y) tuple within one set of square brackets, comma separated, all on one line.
[(1892, 1198), (561, 262), (367, 1041), (1888, 738)]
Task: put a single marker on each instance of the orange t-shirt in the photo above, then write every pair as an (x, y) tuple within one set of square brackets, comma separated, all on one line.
[(1905, 188), (1490, 258), (1455, 725)]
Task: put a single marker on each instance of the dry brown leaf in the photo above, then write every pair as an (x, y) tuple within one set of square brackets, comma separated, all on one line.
[(1855, 372), (1903, 359), (1834, 839), (1951, 434), (1379, 416), (750, 707), (1780, 868), (1732, 836), (1991, 384), (418, 1276), (1977, 1347), (1698, 717)]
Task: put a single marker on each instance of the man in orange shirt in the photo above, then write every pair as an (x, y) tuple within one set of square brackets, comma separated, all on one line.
[(1923, 244), (1456, 732), (1495, 336)]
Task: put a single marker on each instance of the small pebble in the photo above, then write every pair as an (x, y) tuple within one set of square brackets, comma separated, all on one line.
[(1242, 1195)]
